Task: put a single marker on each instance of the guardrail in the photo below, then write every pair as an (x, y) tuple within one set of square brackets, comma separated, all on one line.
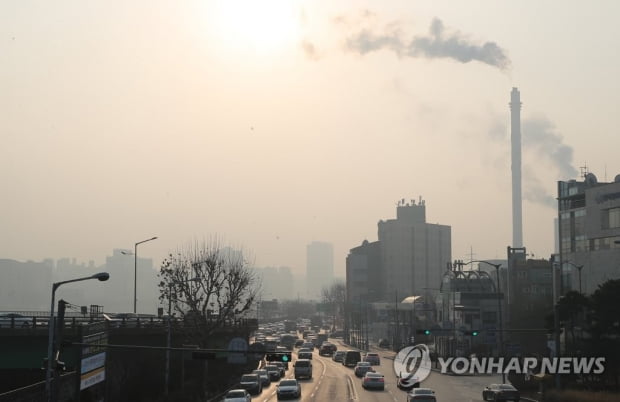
[(39, 320)]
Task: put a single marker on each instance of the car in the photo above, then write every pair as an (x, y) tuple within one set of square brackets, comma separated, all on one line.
[(274, 372), (14, 320), (288, 388), (351, 358), (384, 343), (308, 345), (283, 366), (372, 358), (304, 355), (264, 376), (362, 368), (338, 356), (422, 394), (299, 342), (327, 349), (303, 368), (407, 382), (373, 380), (251, 383), (237, 395), (500, 392)]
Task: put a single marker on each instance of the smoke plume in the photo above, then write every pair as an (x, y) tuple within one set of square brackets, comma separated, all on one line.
[(437, 44), (539, 135)]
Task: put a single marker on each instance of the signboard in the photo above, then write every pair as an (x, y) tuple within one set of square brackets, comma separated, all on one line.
[(92, 362), (240, 345), (91, 378)]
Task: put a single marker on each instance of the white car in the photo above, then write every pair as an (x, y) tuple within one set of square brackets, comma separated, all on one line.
[(288, 389), (237, 395), (422, 394)]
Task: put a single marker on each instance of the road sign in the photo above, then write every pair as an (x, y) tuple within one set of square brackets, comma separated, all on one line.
[(237, 344)]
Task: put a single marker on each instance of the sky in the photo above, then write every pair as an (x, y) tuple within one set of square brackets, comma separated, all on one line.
[(271, 124)]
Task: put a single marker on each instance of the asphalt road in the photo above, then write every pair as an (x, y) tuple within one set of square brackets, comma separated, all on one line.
[(333, 382)]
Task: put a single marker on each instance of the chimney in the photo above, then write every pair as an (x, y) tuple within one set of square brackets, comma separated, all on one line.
[(515, 138)]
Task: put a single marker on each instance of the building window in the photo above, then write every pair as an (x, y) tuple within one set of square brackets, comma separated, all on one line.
[(614, 218), (522, 274)]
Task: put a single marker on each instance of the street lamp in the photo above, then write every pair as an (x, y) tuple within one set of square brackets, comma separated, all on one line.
[(579, 268), (499, 310), (169, 335), (135, 271), (101, 276)]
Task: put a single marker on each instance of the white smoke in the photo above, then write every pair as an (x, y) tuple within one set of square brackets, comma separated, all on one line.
[(437, 44)]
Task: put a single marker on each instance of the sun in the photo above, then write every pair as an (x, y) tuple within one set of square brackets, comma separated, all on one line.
[(258, 25)]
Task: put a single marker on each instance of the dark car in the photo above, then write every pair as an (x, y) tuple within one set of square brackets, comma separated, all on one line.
[(407, 382), (251, 383), (351, 358), (264, 376), (283, 366), (327, 349), (274, 372), (338, 356), (384, 343), (500, 392), (299, 342)]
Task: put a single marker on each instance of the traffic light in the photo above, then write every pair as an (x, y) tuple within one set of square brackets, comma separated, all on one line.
[(473, 332), (278, 357), (423, 331)]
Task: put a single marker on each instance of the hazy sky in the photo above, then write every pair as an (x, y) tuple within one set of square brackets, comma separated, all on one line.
[(274, 123)]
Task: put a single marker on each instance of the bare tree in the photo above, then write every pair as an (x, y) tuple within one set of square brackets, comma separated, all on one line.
[(207, 285), (335, 296)]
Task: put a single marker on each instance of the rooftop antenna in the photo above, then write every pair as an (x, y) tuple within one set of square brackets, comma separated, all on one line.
[(584, 170)]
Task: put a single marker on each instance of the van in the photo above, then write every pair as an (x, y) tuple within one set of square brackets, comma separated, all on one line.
[(303, 368), (351, 358)]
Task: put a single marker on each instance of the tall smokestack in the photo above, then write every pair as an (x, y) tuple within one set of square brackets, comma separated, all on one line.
[(515, 138)]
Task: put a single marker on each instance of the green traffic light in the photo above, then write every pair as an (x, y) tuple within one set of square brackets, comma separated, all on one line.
[(474, 333), (285, 358), (427, 332)]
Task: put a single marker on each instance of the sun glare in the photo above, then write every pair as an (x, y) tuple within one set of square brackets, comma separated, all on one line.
[(261, 25)]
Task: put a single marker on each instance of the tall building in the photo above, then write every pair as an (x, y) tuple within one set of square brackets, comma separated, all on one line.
[(414, 254), (276, 283), (319, 267), (365, 279), (589, 232)]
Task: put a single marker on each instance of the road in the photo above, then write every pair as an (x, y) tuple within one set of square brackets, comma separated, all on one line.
[(333, 382)]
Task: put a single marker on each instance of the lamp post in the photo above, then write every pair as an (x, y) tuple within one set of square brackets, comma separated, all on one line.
[(135, 271), (101, 276), (499, 310), (579, 268), (169, 334)]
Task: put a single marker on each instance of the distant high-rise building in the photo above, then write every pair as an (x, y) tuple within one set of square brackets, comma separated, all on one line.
[(276, 283), (319, 268), (365, 278), (414, 254)]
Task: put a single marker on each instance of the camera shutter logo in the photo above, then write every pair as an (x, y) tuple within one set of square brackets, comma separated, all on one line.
[(413, 364)]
